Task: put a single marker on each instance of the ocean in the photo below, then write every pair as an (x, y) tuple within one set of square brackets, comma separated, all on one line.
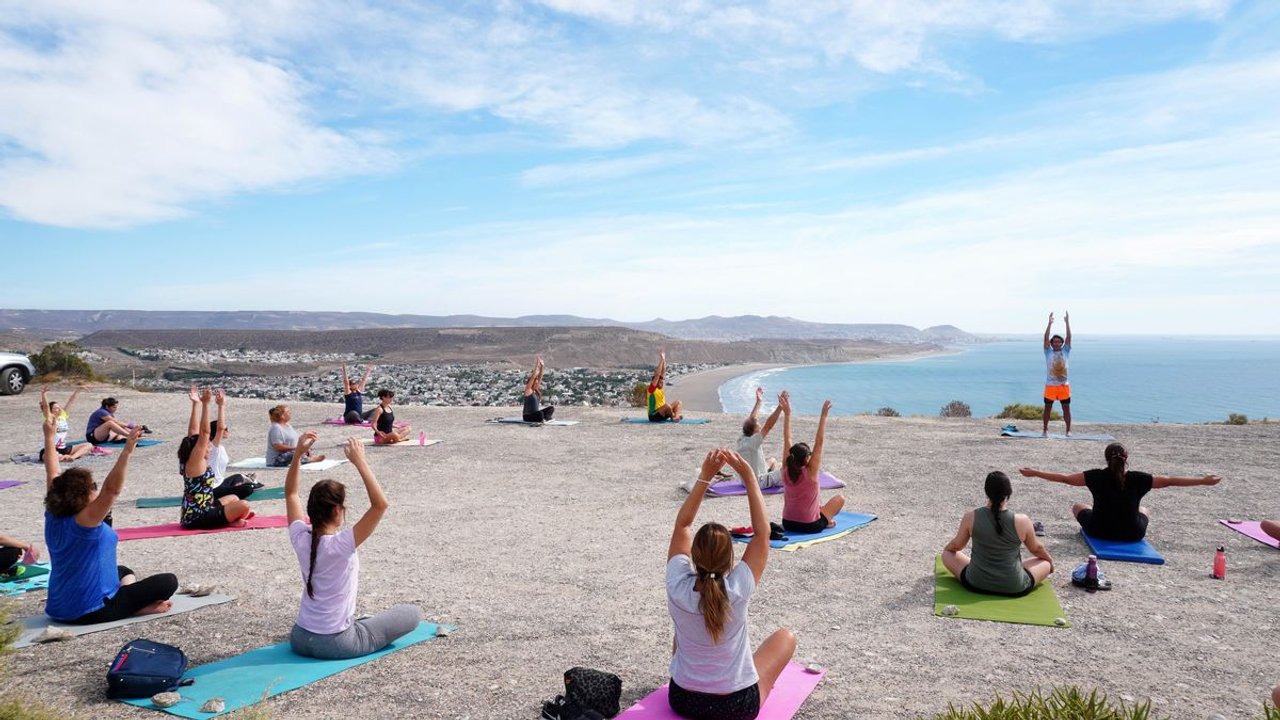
[(1113, 379)]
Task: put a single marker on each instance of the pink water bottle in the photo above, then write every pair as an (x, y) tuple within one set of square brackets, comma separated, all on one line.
[(1091, 572), (422, 438), (1220, 564)]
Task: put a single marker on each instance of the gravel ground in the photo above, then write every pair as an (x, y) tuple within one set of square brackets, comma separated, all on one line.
[(546, 547)]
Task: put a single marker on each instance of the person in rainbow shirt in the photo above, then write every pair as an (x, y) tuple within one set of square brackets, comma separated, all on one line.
[(1056, 385), (659, 410)]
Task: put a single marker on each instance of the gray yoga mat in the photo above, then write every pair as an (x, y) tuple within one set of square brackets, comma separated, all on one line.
[(522, 421), (33, 626)]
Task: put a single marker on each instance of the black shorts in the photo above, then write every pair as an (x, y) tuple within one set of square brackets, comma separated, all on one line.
[(741, 705), (1031, 585), (214, 517), (1085, 518), (9, 557), (808, 528)]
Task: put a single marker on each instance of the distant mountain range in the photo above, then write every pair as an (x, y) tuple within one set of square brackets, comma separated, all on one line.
[(713, 327)]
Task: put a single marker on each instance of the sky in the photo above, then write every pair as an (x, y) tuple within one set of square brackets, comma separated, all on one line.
[(977, 163)]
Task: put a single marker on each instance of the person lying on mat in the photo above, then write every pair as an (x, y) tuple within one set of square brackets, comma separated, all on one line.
[(325, 627), (1056, 384), (202, 508), (103, 426), (1272, 528), (714, 675), (1116, 513), (282, 439), (801, 468), (383, 420), (751, 444), (659, 410), (86, 586), (996, 566), (66, 453), (534, 410), (353, 412), (12, 552)]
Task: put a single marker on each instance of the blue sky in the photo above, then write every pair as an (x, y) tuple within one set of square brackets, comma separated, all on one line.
[(977, 163)]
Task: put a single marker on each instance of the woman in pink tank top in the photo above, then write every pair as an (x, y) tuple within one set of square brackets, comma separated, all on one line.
[(801, 511)]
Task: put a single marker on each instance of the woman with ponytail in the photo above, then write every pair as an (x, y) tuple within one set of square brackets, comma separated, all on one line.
[(330, 567), (801, 512), (714, 675), (1117, 512), (996, 566)]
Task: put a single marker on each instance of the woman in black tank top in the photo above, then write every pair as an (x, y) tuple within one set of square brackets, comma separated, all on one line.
[(534, 411), (383, 420)]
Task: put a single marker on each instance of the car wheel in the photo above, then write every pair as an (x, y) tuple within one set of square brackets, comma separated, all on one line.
[(12, 381)]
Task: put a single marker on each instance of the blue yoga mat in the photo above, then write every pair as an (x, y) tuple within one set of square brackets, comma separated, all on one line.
[(1141, 551), (646, 421), (246, 679), (1055, 436), (845, 521), (141, 443)]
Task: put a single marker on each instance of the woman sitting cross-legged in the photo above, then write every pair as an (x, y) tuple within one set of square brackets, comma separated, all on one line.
[(85, 584), (801, 512), (714, 674), (996, 566), (202, 507), (330, 567)]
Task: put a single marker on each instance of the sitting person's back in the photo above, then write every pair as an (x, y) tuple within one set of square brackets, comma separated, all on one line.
[(1116, 505), (699, 662), (996, 560)]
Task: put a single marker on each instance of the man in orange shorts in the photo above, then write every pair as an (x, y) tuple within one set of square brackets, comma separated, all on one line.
[(1056, 385)]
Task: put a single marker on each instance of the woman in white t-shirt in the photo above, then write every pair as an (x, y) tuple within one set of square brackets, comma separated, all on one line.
[(714, 674), (330, 567)]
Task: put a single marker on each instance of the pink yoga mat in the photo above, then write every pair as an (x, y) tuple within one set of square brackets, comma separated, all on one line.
[(11, 483), (1253, 529), (789, 693), (258, 522), (340, 421)]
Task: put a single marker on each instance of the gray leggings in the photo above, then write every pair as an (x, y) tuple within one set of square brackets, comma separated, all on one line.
[(363, 637)]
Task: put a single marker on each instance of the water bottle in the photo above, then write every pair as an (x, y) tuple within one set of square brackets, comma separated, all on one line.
[(1091, 572), (422, 437), (1220, 564)]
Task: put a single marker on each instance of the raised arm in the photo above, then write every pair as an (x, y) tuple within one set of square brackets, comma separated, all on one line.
[(293, 505), (531, 382), (784, 402), (368, 370), (770, 422), (198, 460), (1076, 479), (346, 383), (755, 409), (193, 422), (1161, 481), (756, 555), (72, 400), (96, 511), (1047, 330), (220, 397), (44, 401), (815, 459), (682, 534), (661, 369), (1066, 318), (377, 500), (49, 427)]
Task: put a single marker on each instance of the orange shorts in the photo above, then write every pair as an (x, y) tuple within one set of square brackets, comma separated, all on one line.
[(1057, 392)]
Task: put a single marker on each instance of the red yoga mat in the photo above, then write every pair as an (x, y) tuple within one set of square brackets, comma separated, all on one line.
[(257, 522)]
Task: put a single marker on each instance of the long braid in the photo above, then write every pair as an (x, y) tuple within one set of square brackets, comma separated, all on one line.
[(326, 497), (315, 543)]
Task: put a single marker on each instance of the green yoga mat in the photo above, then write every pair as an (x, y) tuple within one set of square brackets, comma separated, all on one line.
[(22, 572), (1040, 607), (246, 679), (275, 493)]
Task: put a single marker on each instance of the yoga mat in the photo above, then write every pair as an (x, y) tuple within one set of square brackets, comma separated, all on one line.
[(522, 421), (1253, 529), (1039, 607), (257, 522), (846, 522), (33, 626), (646, 421), (244, 680), (365, 424), (410, 443), (1055, 436), (793, 686), (273, 493), (141, 443), (260, 463), (826, 481), (1138, 552), (11, 483), (27, 579)]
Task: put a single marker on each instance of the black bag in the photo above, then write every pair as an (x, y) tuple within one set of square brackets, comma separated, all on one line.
[(143, 668), (562, 709), (593, 690)]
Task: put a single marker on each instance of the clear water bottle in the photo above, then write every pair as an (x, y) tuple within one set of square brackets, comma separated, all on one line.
[(1220, 564)]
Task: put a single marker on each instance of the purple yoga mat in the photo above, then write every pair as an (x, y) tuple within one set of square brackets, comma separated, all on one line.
[(788, 694), (11, 483), (826, 481), (1253, 529)]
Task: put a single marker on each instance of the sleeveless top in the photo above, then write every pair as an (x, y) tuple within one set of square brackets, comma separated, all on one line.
[(386, 421), (996, 564), (800, 499)]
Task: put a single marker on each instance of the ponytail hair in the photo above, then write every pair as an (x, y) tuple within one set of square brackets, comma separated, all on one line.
[(796, 459), (1117, 460), (712, 555), (326, 498), (998, 489)]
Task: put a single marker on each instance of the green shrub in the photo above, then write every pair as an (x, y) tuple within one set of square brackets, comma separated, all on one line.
[(61, 358), (888, 412), (14, 704), (1026, 411), (1237, 419), (1068, 703), (955, 409), (639, 395)]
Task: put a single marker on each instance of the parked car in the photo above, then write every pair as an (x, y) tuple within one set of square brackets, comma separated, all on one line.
[(15, 372)]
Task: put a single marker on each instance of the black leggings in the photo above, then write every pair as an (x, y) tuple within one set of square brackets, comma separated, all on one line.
[(238, 485), (741, 705), (543, 415), (9, 557), (129, 599), (809, 528)]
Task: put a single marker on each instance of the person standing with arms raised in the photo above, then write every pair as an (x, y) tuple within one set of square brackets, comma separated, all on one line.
[(1056, 384)]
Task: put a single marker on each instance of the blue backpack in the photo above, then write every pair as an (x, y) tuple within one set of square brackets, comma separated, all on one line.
[(143, 668)]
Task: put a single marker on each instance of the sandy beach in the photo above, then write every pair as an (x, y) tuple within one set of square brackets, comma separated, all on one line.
[(546, 547), (700, 392)]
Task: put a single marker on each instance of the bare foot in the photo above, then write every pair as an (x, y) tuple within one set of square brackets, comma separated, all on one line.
[(156, 608), (313, 459), (129, 579)]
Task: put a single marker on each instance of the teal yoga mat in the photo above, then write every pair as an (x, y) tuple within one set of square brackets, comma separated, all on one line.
[(246, 679), (275, 493), (141, 443)]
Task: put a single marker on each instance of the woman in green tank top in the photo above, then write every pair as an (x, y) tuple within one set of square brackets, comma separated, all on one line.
[(996, 566)]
